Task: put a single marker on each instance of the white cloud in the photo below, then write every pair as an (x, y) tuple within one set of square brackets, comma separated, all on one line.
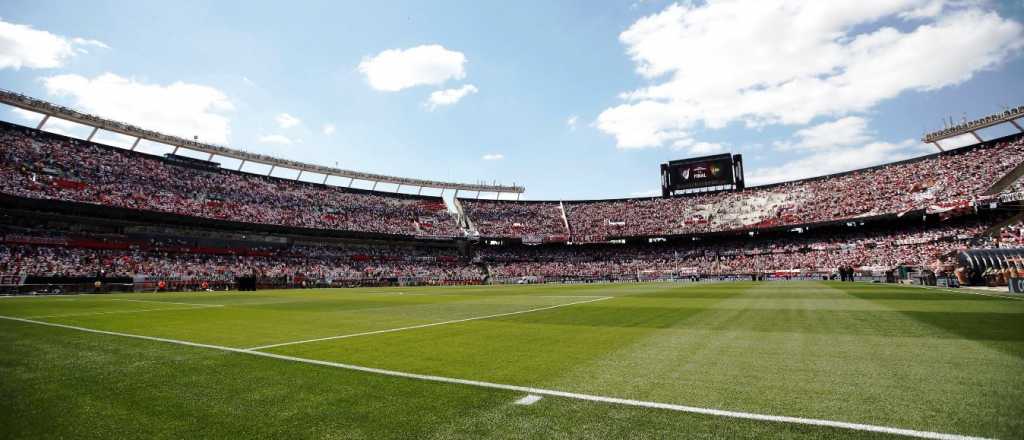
[(180, 109), (493, 156), (278, 139), (449, 96), (87, 42), (284, 120), (836, 146), (23, 46), (329, 129), (26, 115), (571, 122), (696, 148), (396, 69), (705, 148), (959, 141), (764, 62), (648, 193), (928, 9), (845, 132), (248, 82), (839, 160)]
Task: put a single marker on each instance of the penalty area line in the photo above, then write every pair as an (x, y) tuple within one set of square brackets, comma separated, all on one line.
[(536, 391), (433, 324)]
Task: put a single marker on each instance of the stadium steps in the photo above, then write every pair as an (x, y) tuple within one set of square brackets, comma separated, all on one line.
[(465, 223), (565, 219), (1006, 180), (485, 269)]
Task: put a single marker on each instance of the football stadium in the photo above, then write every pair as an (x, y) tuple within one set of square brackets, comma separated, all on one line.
[(157, 282)]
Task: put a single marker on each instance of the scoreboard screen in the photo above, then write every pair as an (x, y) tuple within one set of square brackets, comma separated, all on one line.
[(701, 172)]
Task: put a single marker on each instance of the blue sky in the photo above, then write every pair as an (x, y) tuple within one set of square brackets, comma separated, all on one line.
[(800, 88)]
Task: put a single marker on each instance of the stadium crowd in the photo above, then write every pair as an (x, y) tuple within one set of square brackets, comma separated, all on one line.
[(39, 165), (936, 183), (320, 264), (43, 166), (1014, 192), (865, 251), (534, 221)]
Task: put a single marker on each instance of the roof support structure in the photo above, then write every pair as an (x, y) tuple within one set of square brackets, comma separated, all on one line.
[(1007, 115), (176, 147), (325, 179), (374, 186), (209, 158), (1016, 125), (136, 143), (351, 180), (299, 176), (420, 191), (936, 144), (94, 130), (976, 136), (43, 122), (271, 170), (240, 164)]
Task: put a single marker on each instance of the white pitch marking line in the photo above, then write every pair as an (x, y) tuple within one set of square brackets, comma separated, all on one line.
[(538, 391), (562, 296), (968, 291), (413, 327), (965, 292), (530, 399), (167, 302), (69, 315), (972, 292)]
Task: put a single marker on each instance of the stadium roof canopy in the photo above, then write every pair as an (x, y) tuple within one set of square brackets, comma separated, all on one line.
[(97, 123), (1009, 116)]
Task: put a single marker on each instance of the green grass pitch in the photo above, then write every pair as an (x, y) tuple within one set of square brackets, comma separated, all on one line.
[(933, 361)]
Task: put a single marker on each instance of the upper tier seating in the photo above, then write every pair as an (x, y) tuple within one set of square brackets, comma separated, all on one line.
[(39, 165), (532, 220), (934, 183)]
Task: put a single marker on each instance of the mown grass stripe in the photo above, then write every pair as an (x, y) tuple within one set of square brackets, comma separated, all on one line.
[(536, 391), (433, 324), (162, 309), (166, 302)]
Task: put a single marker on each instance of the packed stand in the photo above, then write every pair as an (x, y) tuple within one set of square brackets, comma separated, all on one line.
[(39, 165), (865, 251), (940, 183), (1013, 192), (1012, 235), (59, 257), (531, 221)]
